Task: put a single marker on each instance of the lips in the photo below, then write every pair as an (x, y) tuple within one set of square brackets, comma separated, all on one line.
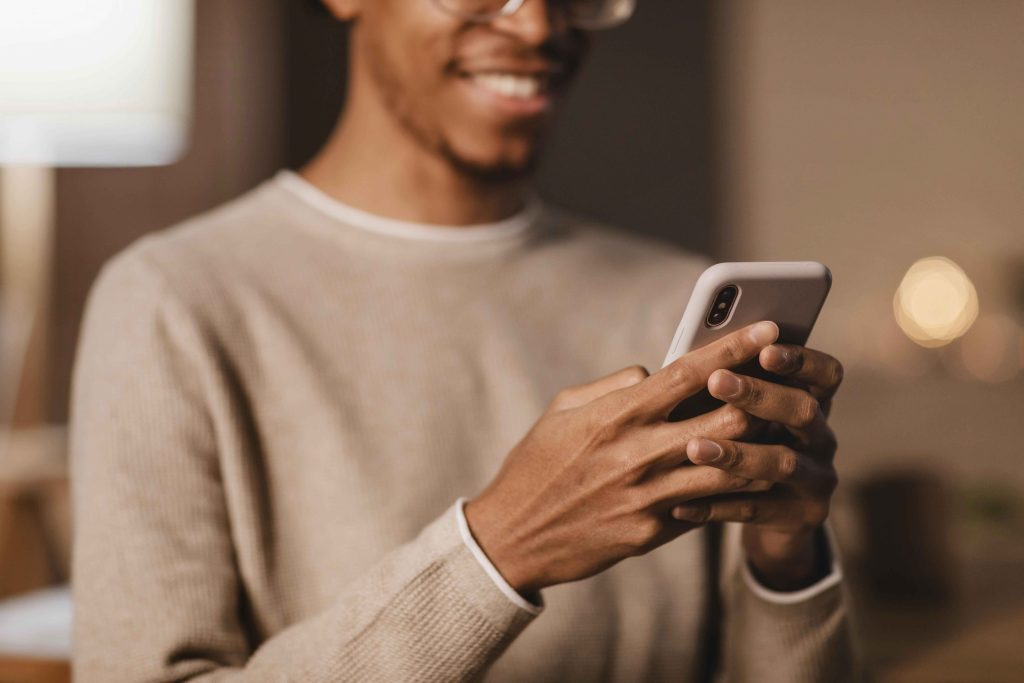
[(515, 88), (514, 83)]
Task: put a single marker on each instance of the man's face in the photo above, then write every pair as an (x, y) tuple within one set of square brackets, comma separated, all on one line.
[(480, 95)]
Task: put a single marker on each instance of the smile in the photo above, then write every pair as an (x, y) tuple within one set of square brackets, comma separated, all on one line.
[(516, 86)]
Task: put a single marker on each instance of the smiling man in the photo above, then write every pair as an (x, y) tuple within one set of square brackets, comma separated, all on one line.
[(389, 418)]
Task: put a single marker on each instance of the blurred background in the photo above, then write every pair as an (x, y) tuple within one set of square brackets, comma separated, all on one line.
[(883, 139)]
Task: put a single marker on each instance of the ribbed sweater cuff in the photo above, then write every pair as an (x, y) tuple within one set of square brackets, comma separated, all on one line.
[(830, 580), (474, 584), (429, 612), (800, 640), (814, 604)]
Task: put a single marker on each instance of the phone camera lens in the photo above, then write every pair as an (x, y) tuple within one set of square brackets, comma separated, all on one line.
[(722, 305)]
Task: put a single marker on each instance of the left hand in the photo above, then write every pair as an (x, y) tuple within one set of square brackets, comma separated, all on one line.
[(780, 524)]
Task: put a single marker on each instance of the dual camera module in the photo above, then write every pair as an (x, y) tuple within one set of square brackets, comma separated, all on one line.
[(722, 305)]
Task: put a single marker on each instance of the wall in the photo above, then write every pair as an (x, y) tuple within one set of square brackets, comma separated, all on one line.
[(867, 135)]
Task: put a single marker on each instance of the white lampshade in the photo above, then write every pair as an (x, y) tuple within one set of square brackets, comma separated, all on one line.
[(95, 82)]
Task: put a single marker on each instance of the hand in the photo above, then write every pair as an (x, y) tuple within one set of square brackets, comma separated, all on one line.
[(595, 478), (817, 373), (780, 523)]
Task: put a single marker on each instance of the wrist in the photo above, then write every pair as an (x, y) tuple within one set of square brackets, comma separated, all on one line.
[(786, 561), (500, 549)]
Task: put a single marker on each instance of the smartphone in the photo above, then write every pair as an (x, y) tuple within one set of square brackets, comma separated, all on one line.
[(729, 296)]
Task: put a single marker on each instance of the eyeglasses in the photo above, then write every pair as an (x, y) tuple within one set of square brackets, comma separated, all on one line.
[(590, 15)]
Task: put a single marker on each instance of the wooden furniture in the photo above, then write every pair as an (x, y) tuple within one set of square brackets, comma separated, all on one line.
[(21, 670)]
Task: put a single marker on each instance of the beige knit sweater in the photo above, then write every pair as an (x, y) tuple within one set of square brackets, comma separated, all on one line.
[(275, 407)]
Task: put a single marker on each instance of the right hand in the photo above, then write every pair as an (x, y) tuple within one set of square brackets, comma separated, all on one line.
[(595, 479)]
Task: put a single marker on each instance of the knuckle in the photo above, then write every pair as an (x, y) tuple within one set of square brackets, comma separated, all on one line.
[(564, 397), (746, 423), (620, 466), (753, 394), (747, 511), (806, 413), (733, 347), (636, 373), (699, 513), (738, 422), (835, 373), (739, 483), (732, 456), (625, 411), (601, 431), (683, 375), (789, 464), (645, 532), (630, 544)]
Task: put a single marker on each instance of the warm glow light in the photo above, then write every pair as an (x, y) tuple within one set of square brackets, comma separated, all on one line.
[(936, 302), (96, 82)]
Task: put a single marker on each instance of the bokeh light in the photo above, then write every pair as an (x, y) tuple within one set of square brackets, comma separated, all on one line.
[(936, 302)]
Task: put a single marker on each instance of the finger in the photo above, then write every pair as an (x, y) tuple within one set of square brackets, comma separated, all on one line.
[(769, 462), (817, 441), (746, 508), (581, 394), (688, 374), (690, 483), (819, 372), (667, 441), (789, 406)]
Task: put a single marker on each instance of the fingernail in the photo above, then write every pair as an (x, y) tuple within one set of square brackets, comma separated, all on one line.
[(705, 451), (764, 333), (783, 356), (727, 385)]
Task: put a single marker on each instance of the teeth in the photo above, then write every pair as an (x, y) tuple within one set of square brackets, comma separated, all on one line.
[(510, 85)]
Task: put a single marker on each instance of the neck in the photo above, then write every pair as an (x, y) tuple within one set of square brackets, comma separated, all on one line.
[(372, 163)]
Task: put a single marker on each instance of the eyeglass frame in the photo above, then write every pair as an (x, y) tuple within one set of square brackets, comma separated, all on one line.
[(512, 6)]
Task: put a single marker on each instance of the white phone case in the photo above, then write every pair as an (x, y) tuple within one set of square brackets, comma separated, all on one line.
[(790, 293)]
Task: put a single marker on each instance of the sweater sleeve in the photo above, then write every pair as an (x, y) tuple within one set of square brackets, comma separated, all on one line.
[(798, 637), (157, 592)]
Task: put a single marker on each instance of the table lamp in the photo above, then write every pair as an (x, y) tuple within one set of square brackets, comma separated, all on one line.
[(82, 83)]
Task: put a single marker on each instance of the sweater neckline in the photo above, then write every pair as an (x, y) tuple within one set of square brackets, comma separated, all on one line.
[(352, 217)]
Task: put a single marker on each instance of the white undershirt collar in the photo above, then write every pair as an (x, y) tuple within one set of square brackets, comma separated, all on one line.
[(350, 215)]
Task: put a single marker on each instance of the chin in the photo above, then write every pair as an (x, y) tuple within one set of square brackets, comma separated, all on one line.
[(495, 170), (500, 160)]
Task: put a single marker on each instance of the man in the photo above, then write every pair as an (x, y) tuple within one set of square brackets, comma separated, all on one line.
[(280, 407)]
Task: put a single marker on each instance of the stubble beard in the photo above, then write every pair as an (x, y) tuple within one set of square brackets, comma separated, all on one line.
[(435, 142)]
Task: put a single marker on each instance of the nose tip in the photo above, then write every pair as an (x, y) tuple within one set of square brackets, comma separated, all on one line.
[(533, 22)]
